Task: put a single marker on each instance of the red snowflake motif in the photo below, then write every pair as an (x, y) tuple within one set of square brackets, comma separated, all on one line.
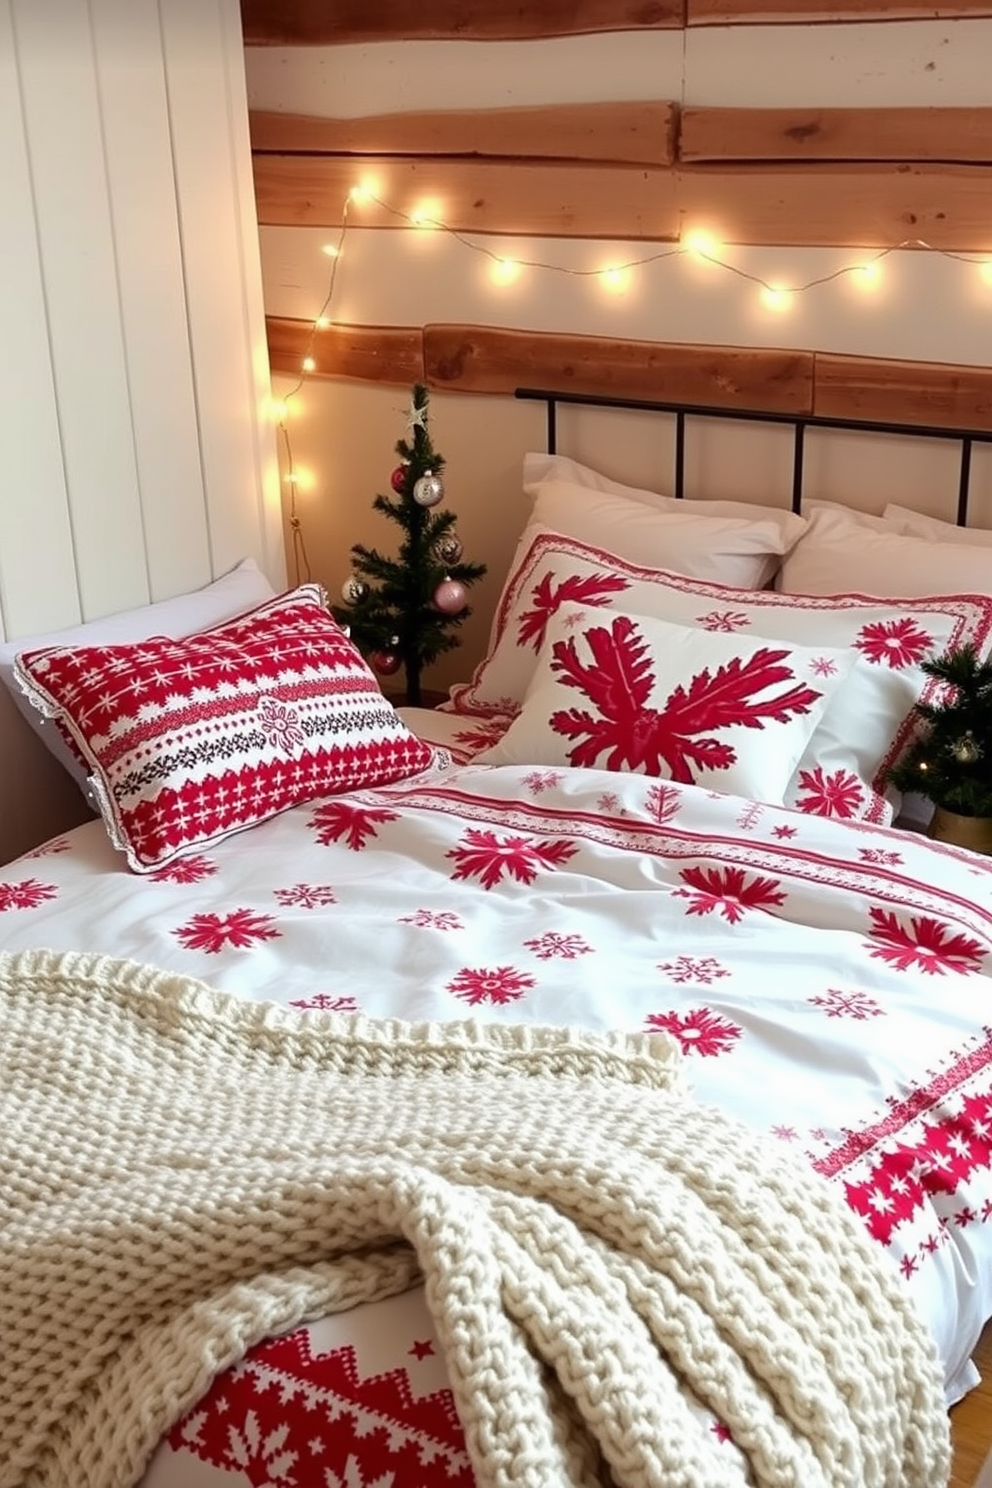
[(193, 869), (908, 1265), (484, 731), (338, 821), (880, 855), (725, 620), (698, 1031), (703, 969), (327, 1002), (48, 849), (495, 984), (965, 1216), (785, 1133), (212, 932), (663, 802), (986, 1210), (552, 944), (784, 832), (823, 666), (609, 804), (484, 855), (838, 1004), (431, 919), (548, 597), (306, 896), (924, 945), (728, 890), (262, 1456), (839, 794), (27, 894), (279, 724), (898, 643), (721, 1431), (537, 781)]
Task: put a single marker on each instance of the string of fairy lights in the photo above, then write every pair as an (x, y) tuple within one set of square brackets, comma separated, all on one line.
[(698, 245)]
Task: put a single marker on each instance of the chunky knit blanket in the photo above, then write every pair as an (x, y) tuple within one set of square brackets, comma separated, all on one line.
[(182, 1173)]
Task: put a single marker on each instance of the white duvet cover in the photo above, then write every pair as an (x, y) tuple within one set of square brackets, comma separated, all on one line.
[(830, 983)]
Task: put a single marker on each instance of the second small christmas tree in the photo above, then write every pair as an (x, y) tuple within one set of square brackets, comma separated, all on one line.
[(401, 611), (950, 761)]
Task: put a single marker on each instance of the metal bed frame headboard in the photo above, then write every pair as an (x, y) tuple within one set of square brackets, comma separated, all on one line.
[(798, 422)]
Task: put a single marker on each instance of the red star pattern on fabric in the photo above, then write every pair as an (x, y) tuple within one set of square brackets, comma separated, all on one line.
[(421, 1348)]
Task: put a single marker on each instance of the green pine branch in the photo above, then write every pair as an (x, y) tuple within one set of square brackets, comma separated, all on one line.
[(950, 758)]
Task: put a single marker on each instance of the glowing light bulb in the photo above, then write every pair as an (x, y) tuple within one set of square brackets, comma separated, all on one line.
[(291, 477), (360, 193), (504, 271), (323, 323), (700, 244), (308, 364), (278, 410), (427, 216), (774, 297), (866, 276), (615, 280), (985, 270), (330, 249)]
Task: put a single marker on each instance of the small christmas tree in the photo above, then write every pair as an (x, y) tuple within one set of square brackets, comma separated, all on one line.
[(950, 761), (401, 610)]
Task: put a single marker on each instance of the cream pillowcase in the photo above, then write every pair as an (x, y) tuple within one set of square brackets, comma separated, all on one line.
[(843, 553), (932, 529), (628, 692)]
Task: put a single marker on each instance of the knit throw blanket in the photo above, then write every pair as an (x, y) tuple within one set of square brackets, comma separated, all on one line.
[(183, 1173)]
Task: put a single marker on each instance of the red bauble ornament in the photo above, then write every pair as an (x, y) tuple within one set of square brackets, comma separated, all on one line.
[(398, 479), (449, 597), (386, 662)]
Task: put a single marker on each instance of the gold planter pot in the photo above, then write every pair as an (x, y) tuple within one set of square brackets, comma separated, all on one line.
[(962, 831)]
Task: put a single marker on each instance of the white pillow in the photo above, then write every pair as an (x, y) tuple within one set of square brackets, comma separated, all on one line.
[(867, 724), (628, 692), (241, 589), (915, 524), (688, 537), (840, 553)]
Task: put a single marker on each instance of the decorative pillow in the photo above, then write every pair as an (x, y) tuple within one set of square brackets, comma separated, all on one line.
[(842, 554), (864, 728), (741, 545), (914, 524), (628, 692), (189, 741), (183, 615)]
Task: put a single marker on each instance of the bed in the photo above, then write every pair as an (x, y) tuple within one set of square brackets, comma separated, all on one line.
[(739, 884)]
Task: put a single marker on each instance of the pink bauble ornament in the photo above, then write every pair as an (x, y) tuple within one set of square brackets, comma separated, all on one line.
[(385, 662), (398, 479), (428, 490), (449, 597)]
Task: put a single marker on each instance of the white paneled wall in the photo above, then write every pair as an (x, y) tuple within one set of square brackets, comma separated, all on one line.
[(134, 378)]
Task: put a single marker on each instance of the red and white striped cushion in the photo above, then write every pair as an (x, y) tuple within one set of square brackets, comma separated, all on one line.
[(187, 741)]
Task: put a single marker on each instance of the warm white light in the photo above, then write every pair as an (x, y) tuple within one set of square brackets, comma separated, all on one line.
[(701, 244), (323, 323), (361, 193), (278, 410), (985, 269), (309, 365), (504, 271), (867, 276), (615, 280), (774, 297), (301, 479), (330, 249), (426, 215)]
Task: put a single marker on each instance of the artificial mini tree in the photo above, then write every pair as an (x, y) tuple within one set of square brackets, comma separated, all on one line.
[(950, 760), (401, 611)]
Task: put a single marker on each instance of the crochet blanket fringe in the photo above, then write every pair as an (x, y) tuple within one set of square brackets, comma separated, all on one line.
[(183, 1173)]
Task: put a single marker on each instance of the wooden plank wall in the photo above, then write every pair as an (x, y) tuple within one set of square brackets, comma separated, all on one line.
[(859, 177)]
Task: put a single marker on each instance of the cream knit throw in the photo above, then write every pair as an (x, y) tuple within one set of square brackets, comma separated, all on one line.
[(182, 1173)]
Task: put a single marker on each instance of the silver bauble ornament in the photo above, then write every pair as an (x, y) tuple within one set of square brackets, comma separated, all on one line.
[(428, 490), (967, 749), (354, 590), (448, 549)]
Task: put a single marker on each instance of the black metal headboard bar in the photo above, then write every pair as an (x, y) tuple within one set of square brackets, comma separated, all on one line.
[(798, 422)]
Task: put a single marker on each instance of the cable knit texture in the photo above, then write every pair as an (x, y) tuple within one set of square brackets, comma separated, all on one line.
[(182, 1173)]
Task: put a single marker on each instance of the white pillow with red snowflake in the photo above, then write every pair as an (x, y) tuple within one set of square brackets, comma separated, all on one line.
[(627, 692), (188, 741), (867, 724)]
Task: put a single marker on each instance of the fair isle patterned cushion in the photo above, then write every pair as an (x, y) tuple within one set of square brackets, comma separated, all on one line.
[(627, 692), (865, 727), (187, 741)]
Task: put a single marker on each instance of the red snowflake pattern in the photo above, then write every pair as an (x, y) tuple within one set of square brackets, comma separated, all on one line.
[(823, 666), (728, 890), (702, 969), (484, 855), (551, 944), (212, 932), (609, 804), (192, 869), (27, 894), (495, 984), (339, 821), (484, 731), (306, 896), (279, 724), (785, 1133), (839, 794), (838, 1004), (548, 597), (327, 1002), (897, 643), (881, 856), (432, 919), (724, 620), (663, 802), (924, 945), (48, 849), (699, 1031), (784, 833), (537, 781)]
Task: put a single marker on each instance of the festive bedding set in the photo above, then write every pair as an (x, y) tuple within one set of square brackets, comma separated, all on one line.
[(584, 1082)]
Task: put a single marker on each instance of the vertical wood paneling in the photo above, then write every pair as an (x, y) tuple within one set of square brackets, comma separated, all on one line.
[(65, 150), (34, 519), (207, 164), (134, 107)]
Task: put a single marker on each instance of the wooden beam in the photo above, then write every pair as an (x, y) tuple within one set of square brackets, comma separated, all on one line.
[(874, 134), (366, 353), (911, 392), (749, 12), (539, 200), (631, 133), (319, 23)]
